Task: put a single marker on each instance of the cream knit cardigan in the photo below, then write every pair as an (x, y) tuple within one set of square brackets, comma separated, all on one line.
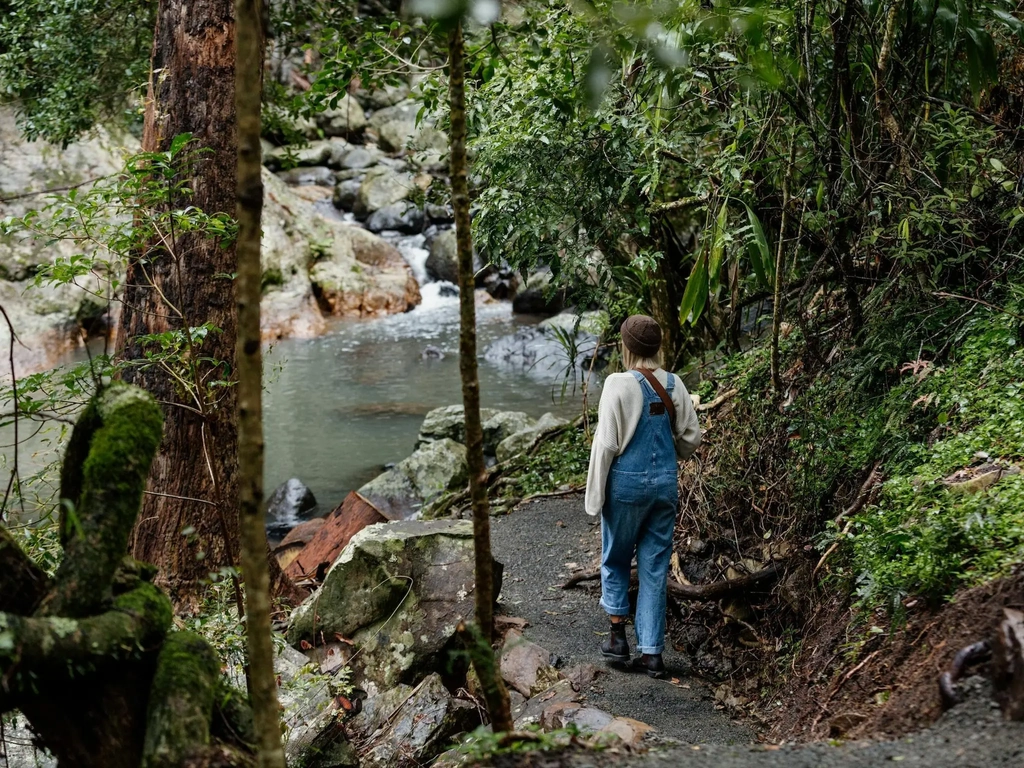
[(622, 403)]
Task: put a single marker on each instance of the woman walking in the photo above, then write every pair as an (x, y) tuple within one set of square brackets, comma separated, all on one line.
[(646, 422)]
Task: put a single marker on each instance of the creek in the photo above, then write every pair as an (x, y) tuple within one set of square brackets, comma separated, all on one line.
[(339, 407)]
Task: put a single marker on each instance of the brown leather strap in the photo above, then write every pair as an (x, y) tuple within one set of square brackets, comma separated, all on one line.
[(662, 393)]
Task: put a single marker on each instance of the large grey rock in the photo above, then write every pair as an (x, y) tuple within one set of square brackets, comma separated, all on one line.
[(306, 176), (395, 126), (321, 152), (360, 157), (48, 320), (345, 119), (523, 440), (17, 748), (448, 423), (345, 194), (434, 468), (402, 216), (312, 734), (382, 186), (538, 297), (289, 502), (443, 261), (420, 728), (397, 592), (381, 98), (593, 323)]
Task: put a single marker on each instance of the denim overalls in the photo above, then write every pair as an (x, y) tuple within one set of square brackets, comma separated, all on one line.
[(641, 499)]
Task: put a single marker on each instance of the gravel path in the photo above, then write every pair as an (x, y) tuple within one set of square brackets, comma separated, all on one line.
[(536, 541)]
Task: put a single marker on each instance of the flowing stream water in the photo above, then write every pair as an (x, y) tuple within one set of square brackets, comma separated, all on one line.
[(340, 407)]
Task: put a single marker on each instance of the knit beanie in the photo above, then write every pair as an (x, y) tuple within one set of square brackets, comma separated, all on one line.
[(641, 335)]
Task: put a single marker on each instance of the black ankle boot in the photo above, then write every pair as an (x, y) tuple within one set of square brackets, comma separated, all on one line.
[(651, 663), (616, 647)]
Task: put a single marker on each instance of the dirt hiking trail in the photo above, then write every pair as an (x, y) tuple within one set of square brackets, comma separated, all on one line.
[(539, 542)]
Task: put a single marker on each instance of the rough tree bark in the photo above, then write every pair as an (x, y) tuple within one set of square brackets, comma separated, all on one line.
[(189, 523), (483, 655), (250, 25)]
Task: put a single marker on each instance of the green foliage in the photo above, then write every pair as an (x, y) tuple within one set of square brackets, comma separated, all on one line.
[(67, 66), (556, 462)]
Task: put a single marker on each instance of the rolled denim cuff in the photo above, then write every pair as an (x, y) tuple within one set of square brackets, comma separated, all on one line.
[(650, 650), (615, 611)]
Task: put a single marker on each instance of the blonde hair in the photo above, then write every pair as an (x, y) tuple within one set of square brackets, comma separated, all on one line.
[(631, 360)]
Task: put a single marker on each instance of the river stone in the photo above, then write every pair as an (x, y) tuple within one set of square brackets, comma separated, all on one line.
[(524, 439), (359, 157), (448, 422), (18, 750), (422, 726), (344, 119), (345, 194), (382, 186), (395, 126), (594, 322), (379, 98), (402, 216), (526, 666), (313, 175), (290, 500), (398, 591), (315, 153), (529, 711), (537, 296), (443, 261), (434, 468)]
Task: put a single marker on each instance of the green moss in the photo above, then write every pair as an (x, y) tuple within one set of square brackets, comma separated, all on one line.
[(181, 701), (122, 428)]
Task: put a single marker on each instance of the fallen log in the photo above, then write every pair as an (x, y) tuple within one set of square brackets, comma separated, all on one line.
[(701, 593)]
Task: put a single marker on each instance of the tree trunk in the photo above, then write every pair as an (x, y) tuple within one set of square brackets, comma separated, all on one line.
[(188, 526), (262, 680), (483, 656)]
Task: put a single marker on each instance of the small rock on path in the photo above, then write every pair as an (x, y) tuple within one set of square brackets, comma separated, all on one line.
[(534, 542)]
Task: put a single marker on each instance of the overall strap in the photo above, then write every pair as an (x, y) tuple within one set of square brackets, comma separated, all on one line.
[(660, 390)]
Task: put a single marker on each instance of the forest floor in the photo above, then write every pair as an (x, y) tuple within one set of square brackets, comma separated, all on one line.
[(541, 543)]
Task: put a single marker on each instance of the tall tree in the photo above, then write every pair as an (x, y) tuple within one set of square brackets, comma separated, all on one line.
[(179, 295), (250, 23), (483, 656)]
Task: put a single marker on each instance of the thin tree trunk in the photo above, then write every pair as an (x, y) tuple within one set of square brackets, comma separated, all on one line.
[(249, 20), (188, 526), (483, 657), (779, 269)]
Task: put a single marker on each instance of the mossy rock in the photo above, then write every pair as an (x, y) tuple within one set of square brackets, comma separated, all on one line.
[(398, 591)]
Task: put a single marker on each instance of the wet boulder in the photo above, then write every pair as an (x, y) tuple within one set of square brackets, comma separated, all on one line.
[(382, 186), (402, 216), (538, 296), (289, 502), (395, 595), (421, 727), (346, 193), (523, 440), (443, 261), (346, 118), (360, 157), (395, 126), (448, 422), (318, 175), (434, 468)]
